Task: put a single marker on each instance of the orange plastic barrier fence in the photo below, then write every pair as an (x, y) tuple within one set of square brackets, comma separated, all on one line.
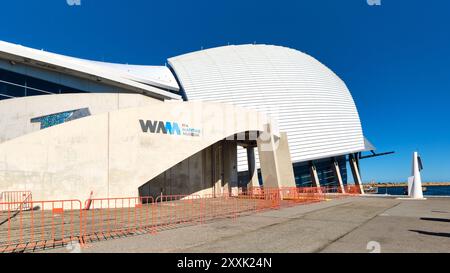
[(293, 196), (111, 217), (352, 190), (172, 210), (39, 224), (215, 206), (27, 224), (18, 198), (289, 196), (227, 205)]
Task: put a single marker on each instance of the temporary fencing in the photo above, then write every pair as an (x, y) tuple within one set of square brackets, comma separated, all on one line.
[(352, 190), (29, 225), (173, 210), (18, 198), (105, 218), (289, 196), (34, 225)]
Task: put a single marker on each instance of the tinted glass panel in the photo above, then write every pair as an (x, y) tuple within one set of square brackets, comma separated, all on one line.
[(68, 90), (12, 77), (29, 86), (43, 85), (11, 90), (302, 175), (32, 92)]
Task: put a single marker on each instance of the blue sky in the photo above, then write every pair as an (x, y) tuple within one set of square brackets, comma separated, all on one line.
[(395, 58)]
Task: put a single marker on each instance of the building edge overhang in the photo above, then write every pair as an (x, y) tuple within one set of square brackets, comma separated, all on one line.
[(368, 146), (84, 69)]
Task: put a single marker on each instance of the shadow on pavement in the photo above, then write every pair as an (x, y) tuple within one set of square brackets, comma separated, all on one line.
[(436, 219), (440, 234)]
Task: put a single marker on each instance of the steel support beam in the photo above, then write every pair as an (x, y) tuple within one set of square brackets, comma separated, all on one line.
[(355, 172), (314, 176), (337, 173)]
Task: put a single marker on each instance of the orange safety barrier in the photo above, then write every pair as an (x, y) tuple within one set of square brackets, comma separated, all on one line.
[(19, 198), (226, 205), (39, 224), (172, 210), (293, 196), (27, 224), (216, 206), (254, 201), (290, 196), (267, 198), (352, 190), (104, 218)]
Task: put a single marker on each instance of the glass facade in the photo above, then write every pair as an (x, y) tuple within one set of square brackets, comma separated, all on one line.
[(13, 85), (325, 172), (302, 173)]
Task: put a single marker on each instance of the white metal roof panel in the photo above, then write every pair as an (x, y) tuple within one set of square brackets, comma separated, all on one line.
[(308, 100), (150, 80)]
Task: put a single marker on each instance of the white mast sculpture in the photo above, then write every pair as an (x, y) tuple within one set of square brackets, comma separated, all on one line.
[(415, 181)]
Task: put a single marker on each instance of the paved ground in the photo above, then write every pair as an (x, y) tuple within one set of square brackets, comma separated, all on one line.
[(346, 225)]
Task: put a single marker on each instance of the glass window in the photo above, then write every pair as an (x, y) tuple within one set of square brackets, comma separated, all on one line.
[(11, 77), (16, 85), (8, 90), (69, 90), (302, 175), (42, 85)]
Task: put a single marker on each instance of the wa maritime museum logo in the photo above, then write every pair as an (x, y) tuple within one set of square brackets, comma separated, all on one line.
[(168, 128)]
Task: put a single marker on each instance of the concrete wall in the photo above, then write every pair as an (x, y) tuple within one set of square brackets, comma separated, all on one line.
[(184, 178), (16, 114), (109, 153), (195, 175)]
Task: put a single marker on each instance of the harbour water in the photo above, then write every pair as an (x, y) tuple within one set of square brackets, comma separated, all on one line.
[(429, 190)]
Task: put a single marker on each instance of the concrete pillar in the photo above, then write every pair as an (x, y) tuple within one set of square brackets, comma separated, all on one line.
[(230, 167), (268, 159), (337, 173), (355, 173), (208, 181), (252, 171), (284, 161), (274, 157), (217, 169), (314, 176)]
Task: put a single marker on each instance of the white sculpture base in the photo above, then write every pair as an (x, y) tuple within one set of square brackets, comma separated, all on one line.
[(410, 198)]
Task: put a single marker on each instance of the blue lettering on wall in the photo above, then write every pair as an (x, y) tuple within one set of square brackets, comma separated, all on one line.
[(173, 128), (167, 128)]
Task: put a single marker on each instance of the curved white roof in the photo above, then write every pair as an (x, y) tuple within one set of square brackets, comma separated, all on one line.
[(159, 76), (152, 80), (309, 101)]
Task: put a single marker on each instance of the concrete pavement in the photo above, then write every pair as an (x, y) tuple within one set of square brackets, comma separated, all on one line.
[(345, 225)]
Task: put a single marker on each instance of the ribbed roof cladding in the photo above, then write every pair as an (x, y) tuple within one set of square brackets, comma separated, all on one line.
[(309, 101)]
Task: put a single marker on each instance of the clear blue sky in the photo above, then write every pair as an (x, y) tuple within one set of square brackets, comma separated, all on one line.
[(395, 58)]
